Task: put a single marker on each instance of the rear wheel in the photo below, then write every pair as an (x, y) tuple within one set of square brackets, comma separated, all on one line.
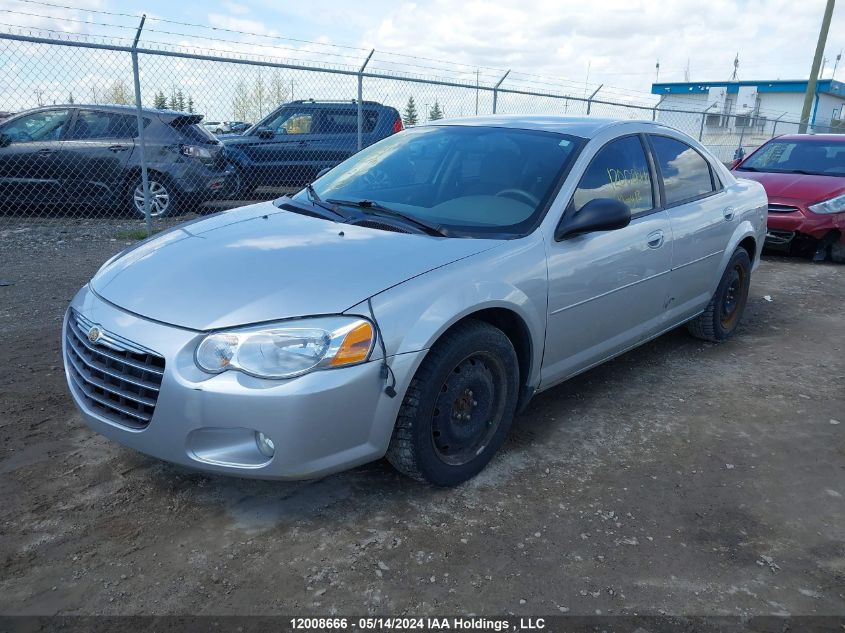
[(162, 197), (720, 319), (459, 406)]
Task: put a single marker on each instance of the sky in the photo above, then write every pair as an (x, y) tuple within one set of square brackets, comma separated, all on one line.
[(560, 46)]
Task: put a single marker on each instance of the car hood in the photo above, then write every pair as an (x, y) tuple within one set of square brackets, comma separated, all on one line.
[(799, 187), (261, 263)]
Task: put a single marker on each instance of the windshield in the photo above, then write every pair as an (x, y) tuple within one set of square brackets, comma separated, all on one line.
[(798, 156), (471, 180)]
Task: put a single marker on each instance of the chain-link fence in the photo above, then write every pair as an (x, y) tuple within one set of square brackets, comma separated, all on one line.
[(145, 132)]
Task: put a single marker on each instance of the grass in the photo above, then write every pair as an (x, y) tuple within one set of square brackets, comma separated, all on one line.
[(134, 234)]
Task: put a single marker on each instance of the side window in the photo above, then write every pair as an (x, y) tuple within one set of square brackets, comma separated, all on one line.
[(620, 171), (94, 125), (346, 121), (40, 126), (685, 173), (291, 122)]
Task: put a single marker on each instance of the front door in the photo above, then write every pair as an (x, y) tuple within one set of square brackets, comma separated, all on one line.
[(29, 148), (608, 289)]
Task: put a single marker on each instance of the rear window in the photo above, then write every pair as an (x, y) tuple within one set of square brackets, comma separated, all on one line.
[(195, 133)]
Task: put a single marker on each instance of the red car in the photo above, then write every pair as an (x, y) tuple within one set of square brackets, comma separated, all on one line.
[(804, 176)]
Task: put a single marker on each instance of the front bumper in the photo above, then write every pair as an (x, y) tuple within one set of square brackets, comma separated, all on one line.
[(319, 423), (802, 221)]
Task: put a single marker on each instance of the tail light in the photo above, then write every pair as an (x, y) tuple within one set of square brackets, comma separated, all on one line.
[(397, 125)]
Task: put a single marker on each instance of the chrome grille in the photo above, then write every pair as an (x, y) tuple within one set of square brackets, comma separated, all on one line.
[(115, 377), (781, 208)]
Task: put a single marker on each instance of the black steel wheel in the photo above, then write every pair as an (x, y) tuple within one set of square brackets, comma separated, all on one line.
[(459, 406), (722, 315)]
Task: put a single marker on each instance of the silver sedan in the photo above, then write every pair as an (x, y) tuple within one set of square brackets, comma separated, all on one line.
[(413, 299)]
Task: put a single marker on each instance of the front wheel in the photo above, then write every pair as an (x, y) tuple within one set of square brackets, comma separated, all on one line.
[(162, 197), (459, 406), (721, 318)]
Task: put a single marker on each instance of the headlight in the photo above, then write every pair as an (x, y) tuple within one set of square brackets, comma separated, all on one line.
[(288, 349), (834, 205)]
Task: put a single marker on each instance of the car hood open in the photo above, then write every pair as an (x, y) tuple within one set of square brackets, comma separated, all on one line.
[(261, 263), (806, 188)]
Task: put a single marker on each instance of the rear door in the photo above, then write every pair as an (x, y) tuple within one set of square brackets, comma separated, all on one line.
[(29, 167), (607, 289), (337, 134), (702, 221), (94, 155)]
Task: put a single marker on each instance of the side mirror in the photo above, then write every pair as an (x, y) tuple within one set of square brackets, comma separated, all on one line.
[(322, 172), (5, 140), (735, 163), (265, 133), (599, 214)]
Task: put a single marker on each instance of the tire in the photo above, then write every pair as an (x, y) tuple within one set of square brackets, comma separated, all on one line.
[(722, 315), (459, 406), (163, 201), (241, 188)]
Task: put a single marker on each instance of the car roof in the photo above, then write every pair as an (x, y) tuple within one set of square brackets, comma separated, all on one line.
[(121, 109), (586, 127), (821, 138)]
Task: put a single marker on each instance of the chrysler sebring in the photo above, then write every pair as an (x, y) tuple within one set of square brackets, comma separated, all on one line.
[(412, 299)]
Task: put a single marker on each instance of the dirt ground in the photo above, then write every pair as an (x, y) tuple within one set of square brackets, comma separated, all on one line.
[(681, 478)]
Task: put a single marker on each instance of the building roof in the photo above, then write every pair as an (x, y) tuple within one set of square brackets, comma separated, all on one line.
[(823, 86)]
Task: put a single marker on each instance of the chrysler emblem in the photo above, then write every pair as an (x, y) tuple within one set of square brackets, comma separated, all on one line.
[(94, 334)]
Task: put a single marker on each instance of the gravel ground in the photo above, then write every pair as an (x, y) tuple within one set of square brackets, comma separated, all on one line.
[(681, 478)]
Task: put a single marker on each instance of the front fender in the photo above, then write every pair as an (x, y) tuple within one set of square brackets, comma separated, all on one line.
[(413, 315)]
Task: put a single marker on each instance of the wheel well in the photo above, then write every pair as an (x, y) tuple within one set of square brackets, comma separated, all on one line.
[(516, 330), (749, 245)]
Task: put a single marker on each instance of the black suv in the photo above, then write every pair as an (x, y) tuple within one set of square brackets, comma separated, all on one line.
[(290, 146), (88, 155)]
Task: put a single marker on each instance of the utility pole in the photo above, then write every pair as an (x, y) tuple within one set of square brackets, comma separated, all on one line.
[(657, 72), (814, 70), (736, 67), (835, 64)]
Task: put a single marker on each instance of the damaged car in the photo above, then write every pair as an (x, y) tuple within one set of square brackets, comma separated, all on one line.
[(410, 301), (804, 177)]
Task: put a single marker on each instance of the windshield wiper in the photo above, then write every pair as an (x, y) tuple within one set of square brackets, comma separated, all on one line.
[(370, 206), (317, 201), (744, 168)]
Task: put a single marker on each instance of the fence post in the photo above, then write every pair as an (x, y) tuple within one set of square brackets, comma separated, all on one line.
[(703, 116), (360, 98), (775, 125), (496, 89), (657, 105), (139, 115), (590, 100)]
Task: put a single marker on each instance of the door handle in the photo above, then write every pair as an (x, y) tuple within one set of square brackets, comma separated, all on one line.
[(655, 239), (301, 143), (44, 152), (118, 148), (728, 212)]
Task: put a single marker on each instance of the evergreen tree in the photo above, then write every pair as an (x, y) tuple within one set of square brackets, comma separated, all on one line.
[(435, 113), (70, 98), (174, 104), (180, 100), (410, 116), (160, 101), (190, 104)]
